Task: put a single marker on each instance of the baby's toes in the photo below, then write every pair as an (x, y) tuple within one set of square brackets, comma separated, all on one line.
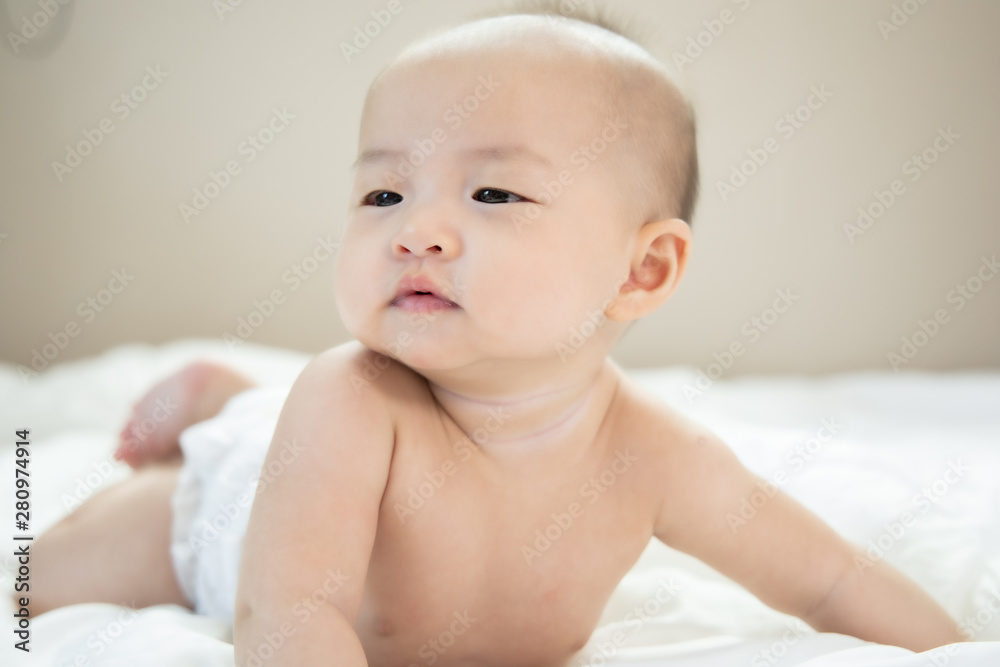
[(131, 449)]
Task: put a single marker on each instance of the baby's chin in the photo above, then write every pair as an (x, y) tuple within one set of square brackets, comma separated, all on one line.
[(446, 344), (428, 358), (417, 351)]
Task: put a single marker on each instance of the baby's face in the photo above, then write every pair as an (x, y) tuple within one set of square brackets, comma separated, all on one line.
[(482, 177)]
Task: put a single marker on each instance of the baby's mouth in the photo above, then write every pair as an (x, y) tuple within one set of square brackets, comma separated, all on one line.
[(422, 303), (417, 293)]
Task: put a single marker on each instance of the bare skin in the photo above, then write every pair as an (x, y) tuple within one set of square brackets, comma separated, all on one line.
[(466, 579), (463, 573), (476, 535), (440, 447)]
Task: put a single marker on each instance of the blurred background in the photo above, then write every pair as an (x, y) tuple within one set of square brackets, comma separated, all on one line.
[(166, 168)]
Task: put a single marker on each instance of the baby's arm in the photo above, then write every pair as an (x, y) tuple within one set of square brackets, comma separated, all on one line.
[(312, 526), (787, 556)]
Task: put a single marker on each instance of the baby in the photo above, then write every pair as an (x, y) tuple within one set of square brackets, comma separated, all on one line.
[(469, 480)]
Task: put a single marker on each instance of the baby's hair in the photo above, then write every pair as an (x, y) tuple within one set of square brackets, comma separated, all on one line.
[(588, 12), (661, 121)]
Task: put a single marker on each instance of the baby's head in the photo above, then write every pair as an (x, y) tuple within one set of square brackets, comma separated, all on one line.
[(534, 170)]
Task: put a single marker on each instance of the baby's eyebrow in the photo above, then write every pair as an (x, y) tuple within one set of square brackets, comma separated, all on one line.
[(512, 153), (509, 153), (375, 155)]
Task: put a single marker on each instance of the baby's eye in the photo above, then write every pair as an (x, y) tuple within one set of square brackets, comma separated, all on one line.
[(381, 198), (496, 196)]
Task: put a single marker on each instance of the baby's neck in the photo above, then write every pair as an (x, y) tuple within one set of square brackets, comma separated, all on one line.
[(532, 418)]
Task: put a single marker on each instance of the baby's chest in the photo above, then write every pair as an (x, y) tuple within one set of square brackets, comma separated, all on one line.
[(530, 559)]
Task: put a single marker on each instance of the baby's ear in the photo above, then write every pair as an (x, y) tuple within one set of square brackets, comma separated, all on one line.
[(661, 253)]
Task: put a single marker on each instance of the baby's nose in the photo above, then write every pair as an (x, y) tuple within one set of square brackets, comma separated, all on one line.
[(416, 249), (423, 236)]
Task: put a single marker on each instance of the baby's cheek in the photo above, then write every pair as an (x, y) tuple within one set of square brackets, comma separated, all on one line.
[(548, 312), (350, 292)]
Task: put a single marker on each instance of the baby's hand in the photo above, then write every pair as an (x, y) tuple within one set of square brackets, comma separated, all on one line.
[(195, 393), (786, 555)]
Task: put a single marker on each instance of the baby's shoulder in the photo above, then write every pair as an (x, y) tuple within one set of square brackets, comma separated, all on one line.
[(353, 369), (649, 421), (350, 389)]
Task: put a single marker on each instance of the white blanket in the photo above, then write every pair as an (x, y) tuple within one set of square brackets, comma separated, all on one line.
[(895, 439)]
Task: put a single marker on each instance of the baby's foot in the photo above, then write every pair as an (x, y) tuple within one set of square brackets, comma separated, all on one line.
[(195, 393)]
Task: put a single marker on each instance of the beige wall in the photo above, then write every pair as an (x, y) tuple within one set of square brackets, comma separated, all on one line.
[(783, 230)]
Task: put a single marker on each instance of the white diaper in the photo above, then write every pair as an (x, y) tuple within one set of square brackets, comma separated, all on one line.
[(215, 489)]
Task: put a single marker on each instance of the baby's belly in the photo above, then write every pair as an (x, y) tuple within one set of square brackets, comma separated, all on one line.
[(494, 575)]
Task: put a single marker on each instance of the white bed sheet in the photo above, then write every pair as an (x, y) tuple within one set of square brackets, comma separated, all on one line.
[(895, 434)]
